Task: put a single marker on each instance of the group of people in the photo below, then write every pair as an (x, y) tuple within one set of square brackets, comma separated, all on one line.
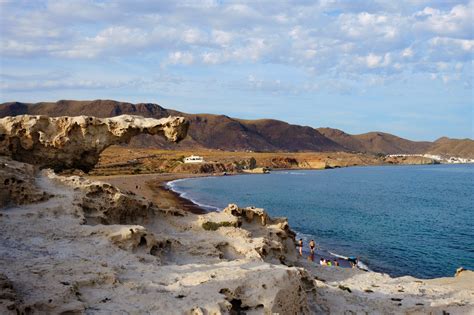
[(328, 262), (312, 247)]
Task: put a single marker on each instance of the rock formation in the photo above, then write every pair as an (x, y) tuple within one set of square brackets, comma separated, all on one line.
[(76, 142), (17, 184), (73, 253)]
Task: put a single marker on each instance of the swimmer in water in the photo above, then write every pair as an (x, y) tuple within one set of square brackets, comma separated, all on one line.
[(312, 245), (300, 245)]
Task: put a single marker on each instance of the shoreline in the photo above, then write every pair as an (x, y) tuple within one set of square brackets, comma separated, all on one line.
[(314, 258), (160, 187), (327, 252), (154, 188)]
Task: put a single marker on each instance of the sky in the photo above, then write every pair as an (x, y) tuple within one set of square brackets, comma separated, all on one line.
[(403, 67)]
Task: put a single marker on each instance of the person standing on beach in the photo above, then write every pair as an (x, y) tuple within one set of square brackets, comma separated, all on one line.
[(312, 245), (300, 245)]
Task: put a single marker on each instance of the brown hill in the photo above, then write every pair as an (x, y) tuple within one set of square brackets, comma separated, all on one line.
[(375, 142), (97, 108), (206, 130), (453, 147), (350, 142)]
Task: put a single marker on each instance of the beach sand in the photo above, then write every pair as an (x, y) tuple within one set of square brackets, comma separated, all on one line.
[(153, 187)]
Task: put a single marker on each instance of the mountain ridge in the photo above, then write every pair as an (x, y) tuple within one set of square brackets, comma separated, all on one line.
[(246, 135)]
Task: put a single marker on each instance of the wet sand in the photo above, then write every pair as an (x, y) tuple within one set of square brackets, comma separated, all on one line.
[(153, 187)]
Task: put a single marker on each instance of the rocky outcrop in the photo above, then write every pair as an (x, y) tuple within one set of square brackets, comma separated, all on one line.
[(409, 160), (76, 142), (17, 182), (102, 203), (278, 240), (9, 301)]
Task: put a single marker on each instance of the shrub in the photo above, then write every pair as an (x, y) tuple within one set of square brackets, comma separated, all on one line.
[(213, 226)]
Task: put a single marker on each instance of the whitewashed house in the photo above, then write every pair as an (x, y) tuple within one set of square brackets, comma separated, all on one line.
[(193, 159)]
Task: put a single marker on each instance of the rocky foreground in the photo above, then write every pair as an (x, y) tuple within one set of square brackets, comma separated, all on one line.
[(73, 245)]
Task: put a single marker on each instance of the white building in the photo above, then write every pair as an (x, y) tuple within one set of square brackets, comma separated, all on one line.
[(193, 159)]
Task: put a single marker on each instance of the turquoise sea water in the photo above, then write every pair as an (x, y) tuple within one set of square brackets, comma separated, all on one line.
[(402, 220)]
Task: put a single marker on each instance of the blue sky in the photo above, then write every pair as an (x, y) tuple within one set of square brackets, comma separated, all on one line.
[(404, 67)]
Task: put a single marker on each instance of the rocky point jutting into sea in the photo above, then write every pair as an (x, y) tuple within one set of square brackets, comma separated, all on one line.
[(73, 245)]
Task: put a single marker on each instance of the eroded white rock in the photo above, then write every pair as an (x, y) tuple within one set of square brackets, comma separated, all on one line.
[(76, 142)]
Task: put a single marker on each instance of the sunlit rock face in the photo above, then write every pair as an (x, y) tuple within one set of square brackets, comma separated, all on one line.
[(76, 142)]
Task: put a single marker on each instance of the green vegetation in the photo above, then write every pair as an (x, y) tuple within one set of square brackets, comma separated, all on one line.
[(213, 226)]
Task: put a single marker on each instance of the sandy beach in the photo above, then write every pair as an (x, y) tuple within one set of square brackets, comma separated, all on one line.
[(153, 187)]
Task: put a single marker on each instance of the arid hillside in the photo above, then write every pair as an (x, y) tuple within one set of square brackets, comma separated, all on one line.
[(375, 142), (453, 147), (219, 132)]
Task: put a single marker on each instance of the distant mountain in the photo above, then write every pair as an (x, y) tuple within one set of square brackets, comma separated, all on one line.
[(375, 142), (231, 134)]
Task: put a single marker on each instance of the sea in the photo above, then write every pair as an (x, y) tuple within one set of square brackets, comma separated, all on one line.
[(400, 220)]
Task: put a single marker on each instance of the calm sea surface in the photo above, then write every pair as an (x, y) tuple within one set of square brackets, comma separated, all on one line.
[(402, 220)]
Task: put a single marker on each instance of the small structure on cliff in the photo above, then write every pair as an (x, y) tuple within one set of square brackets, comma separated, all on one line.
[(194, 159)]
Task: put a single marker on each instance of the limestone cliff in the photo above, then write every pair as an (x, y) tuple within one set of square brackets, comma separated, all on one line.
[(76, 142)]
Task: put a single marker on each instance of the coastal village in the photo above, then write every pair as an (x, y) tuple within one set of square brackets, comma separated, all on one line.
[(436, 158)]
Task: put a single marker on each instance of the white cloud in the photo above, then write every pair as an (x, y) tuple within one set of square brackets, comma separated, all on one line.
[(324, 38), (407, 52), (180, 58), (466, 45), (457, 21), (222, 38), (375, 61), (193, 36)]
